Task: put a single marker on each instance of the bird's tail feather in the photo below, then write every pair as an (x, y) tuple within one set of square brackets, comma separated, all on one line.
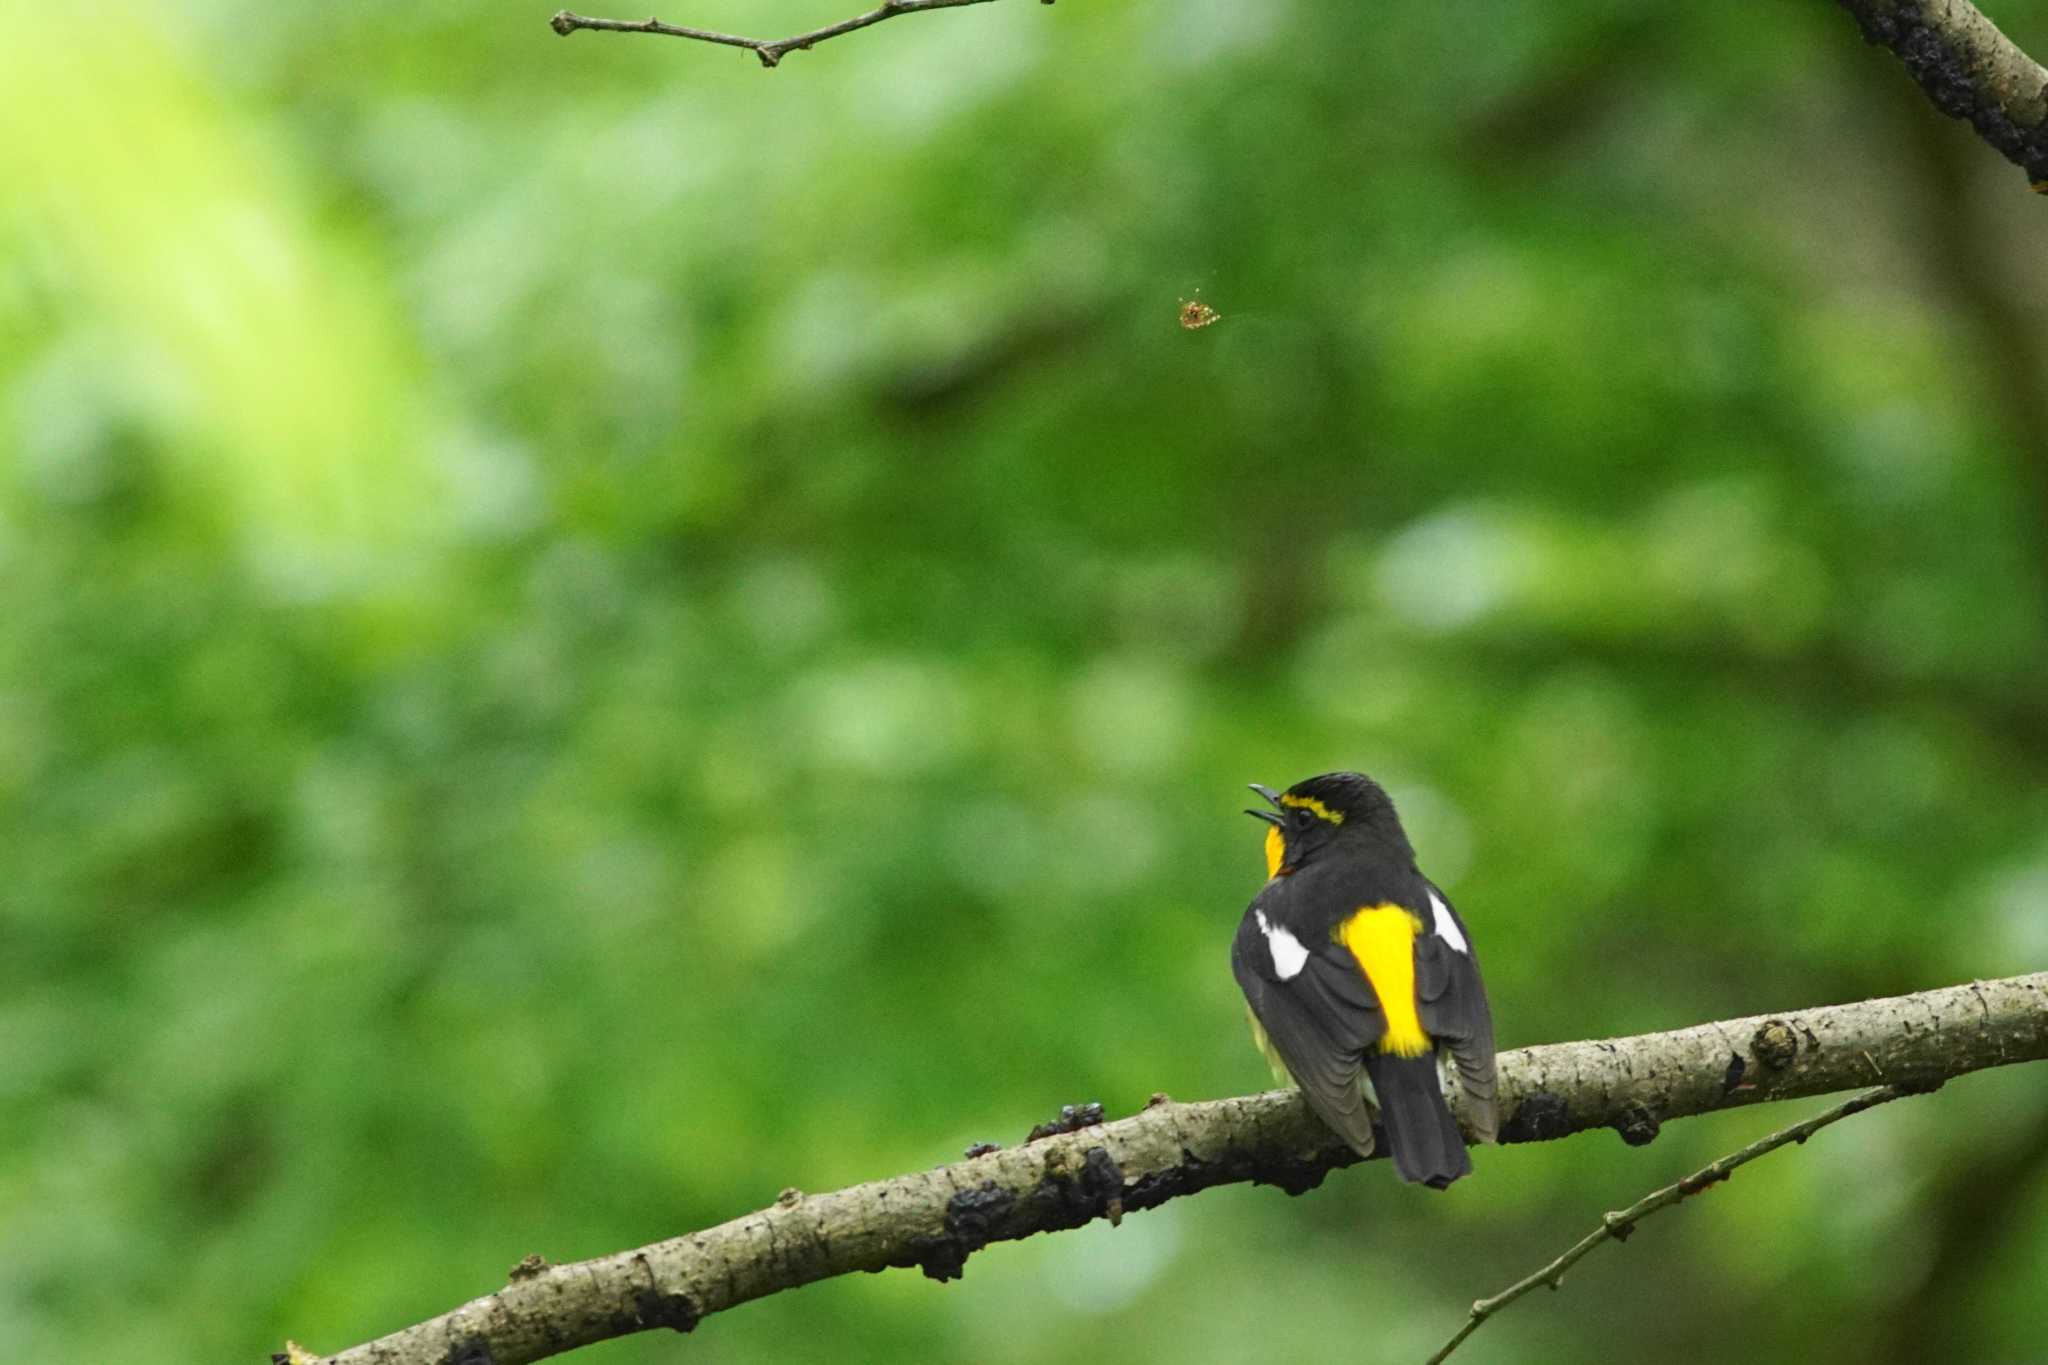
[(1424, 1138)]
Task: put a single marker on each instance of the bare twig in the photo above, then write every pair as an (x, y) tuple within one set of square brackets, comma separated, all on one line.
[(1620, 1223), (770, 51), (936, 1219), (1969, 70)]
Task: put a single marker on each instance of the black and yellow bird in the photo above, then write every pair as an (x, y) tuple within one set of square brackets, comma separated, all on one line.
[(1358, 971)]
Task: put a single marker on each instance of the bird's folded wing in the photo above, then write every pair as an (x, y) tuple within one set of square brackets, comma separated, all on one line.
[(1321, 1020), (1451, 1001)]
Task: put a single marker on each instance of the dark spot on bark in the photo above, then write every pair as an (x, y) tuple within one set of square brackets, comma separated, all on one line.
[(975, 1212), (1069, 1195), (531, 1267), (1638, 1126), (1159, 1097), (1539, 1118), (1153, 1189), (1102, 1180), (1073, 1118), (940, 1258), (983, 1149), (1775, 1044), (657, 1309), (973, 1218), (1297, 1177), (470, 1351), (1733, 1077)]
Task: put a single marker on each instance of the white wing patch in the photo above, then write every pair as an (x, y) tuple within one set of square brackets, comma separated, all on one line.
[(1446, 926), (1289, 957)]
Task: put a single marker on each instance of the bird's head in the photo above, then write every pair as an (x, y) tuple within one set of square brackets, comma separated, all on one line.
[(1323, 812)]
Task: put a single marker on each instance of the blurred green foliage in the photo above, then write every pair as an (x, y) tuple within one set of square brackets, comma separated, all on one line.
[(592, 632)]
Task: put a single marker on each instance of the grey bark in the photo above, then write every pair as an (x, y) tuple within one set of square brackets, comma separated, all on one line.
[(936, 1219)]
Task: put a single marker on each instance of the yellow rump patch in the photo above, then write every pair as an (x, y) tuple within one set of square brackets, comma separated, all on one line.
[(1276, 849), (1382, 939), (1309, 803)]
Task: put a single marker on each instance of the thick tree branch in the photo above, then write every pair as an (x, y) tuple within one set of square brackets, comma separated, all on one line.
[(1969, 70), (1618, 1224), (770, 51), (936, 1219)]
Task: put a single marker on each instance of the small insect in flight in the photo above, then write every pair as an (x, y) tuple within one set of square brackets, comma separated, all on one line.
[(1195, 315)]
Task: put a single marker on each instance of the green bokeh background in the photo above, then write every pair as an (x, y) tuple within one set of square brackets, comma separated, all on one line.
[(588, 632)]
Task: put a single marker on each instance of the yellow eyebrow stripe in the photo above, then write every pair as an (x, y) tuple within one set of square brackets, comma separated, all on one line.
[(1382, 940), (1309, 803)]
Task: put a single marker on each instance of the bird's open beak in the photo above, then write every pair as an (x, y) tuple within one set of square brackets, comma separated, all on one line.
[(1269, 816)]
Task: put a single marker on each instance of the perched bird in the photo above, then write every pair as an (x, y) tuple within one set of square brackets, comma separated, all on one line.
[(1357, 972)]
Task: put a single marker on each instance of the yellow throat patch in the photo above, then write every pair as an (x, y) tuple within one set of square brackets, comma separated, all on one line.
[(1382, 939), (1276, 849)]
